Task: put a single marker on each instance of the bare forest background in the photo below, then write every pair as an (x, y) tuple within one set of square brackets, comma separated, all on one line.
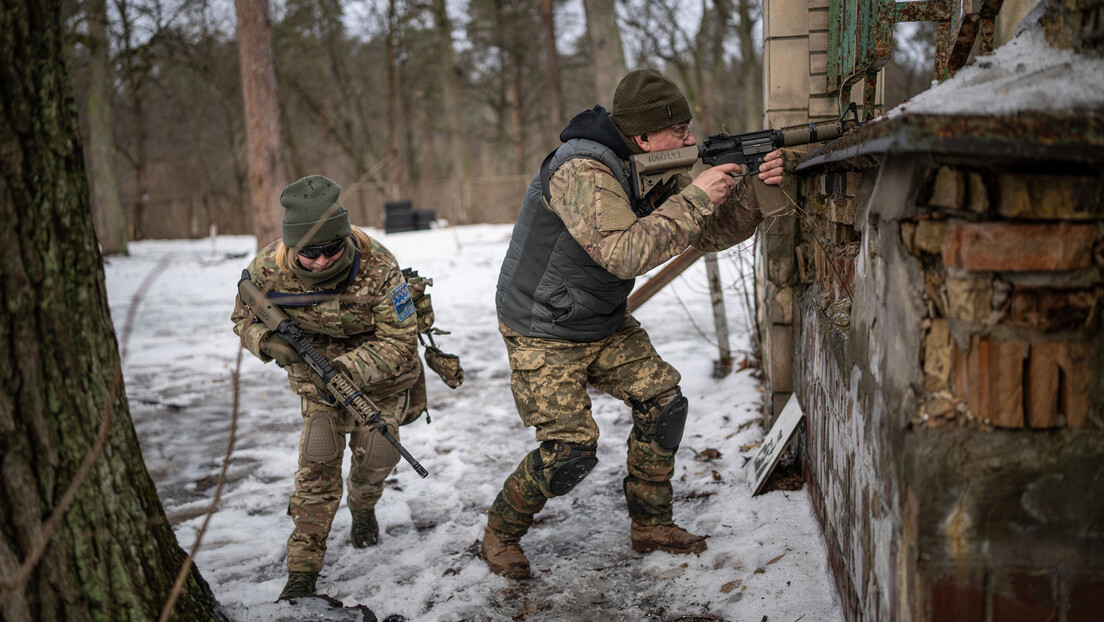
[(451, 105)]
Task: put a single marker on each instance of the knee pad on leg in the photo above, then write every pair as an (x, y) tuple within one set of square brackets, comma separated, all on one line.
[(321, 440), (661, 424), (569, 465)]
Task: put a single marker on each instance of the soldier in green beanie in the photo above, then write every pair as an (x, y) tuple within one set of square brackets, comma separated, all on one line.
[(353, 303), (579, 242)]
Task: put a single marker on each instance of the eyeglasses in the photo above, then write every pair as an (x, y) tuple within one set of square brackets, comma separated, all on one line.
[(682, 130), (328, 249)]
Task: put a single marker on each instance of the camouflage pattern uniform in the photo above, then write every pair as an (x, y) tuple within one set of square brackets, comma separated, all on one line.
[(360, 332), (550, 376)]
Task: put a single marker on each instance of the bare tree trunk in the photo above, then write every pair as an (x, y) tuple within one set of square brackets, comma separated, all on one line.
[(394, 131), (605, 44), (751, 70), (513, 102), (450, 83), (84, 535), (552, 66), (111, 220), (133, 77), (263, 128)]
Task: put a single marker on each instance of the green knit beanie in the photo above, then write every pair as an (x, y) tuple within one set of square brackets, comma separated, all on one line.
[(313, 200), (645, 101)]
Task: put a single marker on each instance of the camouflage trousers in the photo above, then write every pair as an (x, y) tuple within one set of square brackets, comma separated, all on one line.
[(549, 381), (318, 484)]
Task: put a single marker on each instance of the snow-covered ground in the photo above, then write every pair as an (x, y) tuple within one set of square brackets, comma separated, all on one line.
[(766, 558)]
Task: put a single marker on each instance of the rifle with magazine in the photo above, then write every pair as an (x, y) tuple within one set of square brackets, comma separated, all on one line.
[(649, 170), (342, 388)]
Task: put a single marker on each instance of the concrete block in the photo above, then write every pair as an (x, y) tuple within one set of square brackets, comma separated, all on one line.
[(1010, 247), (1050, 197), (782, 306), (818, 83), (786, 118), (786, 19), (818, 41), (823, 107), (818, 20), (818, 62), (781, 358), (948, 189), (788, 88)]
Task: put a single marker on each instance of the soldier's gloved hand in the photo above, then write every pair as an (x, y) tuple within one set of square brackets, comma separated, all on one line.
[(279, 350)]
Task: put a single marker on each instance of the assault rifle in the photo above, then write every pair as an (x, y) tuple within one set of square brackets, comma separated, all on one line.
[(649, 170), (338, 383)]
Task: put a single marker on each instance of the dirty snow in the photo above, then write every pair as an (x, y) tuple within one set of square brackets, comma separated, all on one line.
[(766, 557), (1026, 74)]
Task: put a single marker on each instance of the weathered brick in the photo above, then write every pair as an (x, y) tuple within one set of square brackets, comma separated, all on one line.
[(930, 235), (938, 358), (948, 188), (1028, 597), (1047, 310), (977, 193), (1050, 197), (841, 210), (1059, 384), (969, 299), (990, 378), (1010, 247)]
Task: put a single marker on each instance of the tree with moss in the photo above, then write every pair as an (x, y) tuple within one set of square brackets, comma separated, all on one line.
[(83, 535)]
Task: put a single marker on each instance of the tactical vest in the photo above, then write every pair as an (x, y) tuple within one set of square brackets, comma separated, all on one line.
[(549, 287)]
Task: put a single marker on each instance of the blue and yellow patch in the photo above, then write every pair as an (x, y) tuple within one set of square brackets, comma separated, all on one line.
[(401, 300)]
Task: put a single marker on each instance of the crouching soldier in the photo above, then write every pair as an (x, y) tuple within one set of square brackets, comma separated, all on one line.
[(352, 302)]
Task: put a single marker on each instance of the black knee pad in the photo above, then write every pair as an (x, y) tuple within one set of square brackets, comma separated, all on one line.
[(571, 465), (671, 423), (666, 428)]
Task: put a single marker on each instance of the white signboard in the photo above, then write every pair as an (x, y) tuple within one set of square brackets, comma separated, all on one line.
[(771, 449)]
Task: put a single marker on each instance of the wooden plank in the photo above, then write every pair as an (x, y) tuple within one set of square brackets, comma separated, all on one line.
[(674, 268)]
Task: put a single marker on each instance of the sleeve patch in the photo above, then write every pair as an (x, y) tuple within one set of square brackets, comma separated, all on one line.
[(401, 300)]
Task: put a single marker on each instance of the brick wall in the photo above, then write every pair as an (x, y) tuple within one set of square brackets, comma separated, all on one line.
[(938, 309)]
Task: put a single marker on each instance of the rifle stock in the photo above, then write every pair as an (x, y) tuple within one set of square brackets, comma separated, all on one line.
[(338, 384)]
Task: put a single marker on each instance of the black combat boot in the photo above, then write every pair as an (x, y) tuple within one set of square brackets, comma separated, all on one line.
[(365, 531), (299, 584)]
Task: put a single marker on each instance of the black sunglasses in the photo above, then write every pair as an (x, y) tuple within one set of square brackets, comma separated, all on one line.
[(328, 249)]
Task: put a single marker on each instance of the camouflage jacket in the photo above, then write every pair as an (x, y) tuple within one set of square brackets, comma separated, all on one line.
[(599, 215), (368, 329)]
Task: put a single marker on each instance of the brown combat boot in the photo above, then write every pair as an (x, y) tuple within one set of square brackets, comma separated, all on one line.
[(507, 560), (299, 584), (668, 538), (365, 530)]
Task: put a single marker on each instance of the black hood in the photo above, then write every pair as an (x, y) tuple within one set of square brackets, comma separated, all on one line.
[(595, 124)]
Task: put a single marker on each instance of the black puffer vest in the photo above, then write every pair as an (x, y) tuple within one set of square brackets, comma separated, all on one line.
[(549, 287)]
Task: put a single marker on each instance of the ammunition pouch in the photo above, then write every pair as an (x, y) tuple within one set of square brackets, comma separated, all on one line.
[(570, 464), (445, 365)]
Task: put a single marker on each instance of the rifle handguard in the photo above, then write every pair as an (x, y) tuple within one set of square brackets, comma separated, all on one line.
[(339, 385)]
